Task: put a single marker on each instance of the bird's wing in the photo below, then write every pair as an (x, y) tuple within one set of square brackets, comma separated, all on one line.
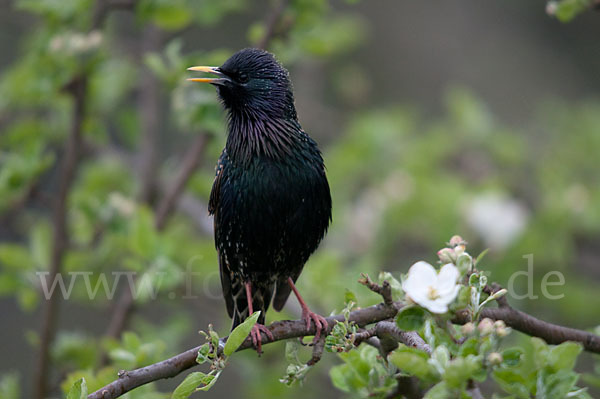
[(226, 285), (213, 206), (213, 201)]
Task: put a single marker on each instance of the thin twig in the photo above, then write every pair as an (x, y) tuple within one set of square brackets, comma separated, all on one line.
[(317, 352), (190, 164), (390, 335), (271, 24), (149, 113), (78, 90), (385, 289)]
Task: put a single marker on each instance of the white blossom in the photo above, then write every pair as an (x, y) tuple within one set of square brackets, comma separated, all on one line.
[(430, 289)]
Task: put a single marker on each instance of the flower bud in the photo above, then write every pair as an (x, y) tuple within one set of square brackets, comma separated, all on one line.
[(456, 240), (446, 255), (459, 250), (494, 358), (468, 328), (501, 329), (486, 326), (499, 324)]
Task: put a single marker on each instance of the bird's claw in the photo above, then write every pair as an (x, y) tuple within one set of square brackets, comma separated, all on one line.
[(320, 323), (257, 338)]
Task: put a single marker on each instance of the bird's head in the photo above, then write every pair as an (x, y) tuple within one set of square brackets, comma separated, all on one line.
[(252, 82)]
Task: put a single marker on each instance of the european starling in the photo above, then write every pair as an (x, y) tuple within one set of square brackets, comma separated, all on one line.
[(270, 197)]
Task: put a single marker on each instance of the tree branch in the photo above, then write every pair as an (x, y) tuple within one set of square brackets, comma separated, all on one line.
[(551, 333), (78, 90), (281, 330), (389, 335), (379, 314)]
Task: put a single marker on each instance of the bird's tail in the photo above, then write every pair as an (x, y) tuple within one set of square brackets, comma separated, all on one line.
[(261, 298)]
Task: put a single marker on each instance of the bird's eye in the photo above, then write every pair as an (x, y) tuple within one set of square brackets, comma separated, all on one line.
[(243, 77)]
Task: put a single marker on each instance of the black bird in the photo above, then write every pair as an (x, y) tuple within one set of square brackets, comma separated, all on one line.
[(270, 197)]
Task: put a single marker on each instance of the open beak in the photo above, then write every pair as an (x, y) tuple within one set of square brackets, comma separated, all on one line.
[(221, 79)]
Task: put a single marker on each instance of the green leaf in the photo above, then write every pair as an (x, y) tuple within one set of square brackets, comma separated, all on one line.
[(412, 361), (349, 296), (9, 386), (566, 10), (16, 257), (411, 318), (555, 385), (291, 352), (481, 256), (460, 370), (464, 263), (211, 381), (564, 356), (194, 381), (239, 334), (512, 357), (78, 390), (474, 280), (203, 353), (469, 347), (540, 352), (440, 358), (512, 382), (339, 377), (439, 391)]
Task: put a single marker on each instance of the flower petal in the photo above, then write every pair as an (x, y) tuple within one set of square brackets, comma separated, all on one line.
[(421, 276), (446, 279), (422, 273), (449, 297), (436, 306)]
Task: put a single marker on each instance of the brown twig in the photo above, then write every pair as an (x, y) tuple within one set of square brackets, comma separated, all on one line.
[(149, 113), (390, 335), (190, 163), (271, 24), (317, 352), (551, 333), (385, 290), (78, 90)]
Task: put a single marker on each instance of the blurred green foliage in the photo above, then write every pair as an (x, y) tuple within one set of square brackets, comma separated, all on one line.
[(566, 10), (402, 183)]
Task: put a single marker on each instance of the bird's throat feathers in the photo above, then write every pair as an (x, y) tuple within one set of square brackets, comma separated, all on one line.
[(253, 134)]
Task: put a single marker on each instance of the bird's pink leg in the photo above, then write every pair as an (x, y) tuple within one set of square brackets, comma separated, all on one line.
[(308, 315), (258, 328)]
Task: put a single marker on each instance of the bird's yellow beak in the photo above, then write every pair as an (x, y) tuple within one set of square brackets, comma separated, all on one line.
[(207, 69)]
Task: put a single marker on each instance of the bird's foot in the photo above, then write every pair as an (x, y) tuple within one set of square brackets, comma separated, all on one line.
[(257, 338), (320, 323)]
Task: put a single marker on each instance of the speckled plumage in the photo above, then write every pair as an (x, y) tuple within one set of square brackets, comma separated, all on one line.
[(270, 198)]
